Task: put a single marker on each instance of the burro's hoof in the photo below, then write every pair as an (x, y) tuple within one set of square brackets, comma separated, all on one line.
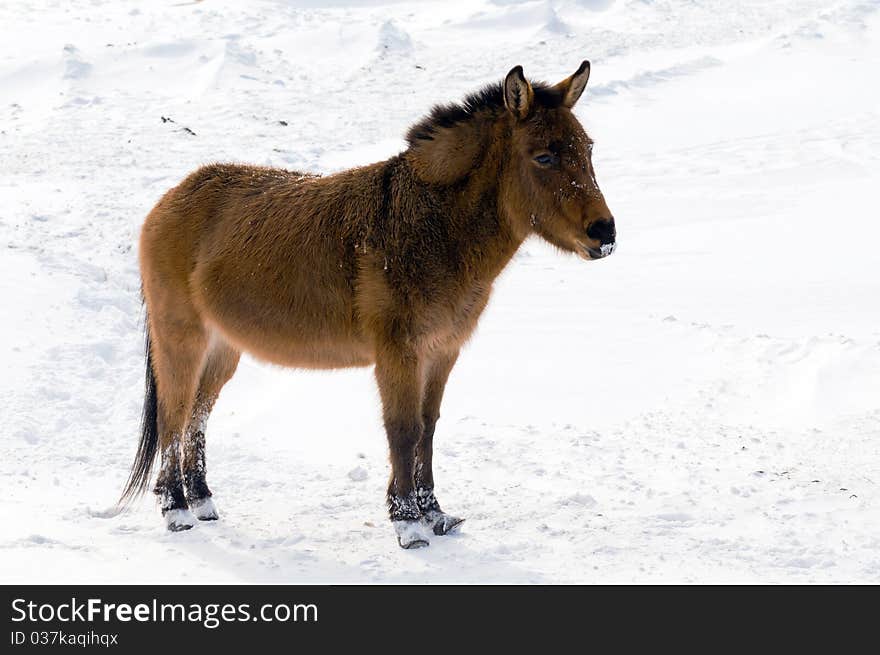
[(204, 509), (442, 523), (177, 520), (410, 534)]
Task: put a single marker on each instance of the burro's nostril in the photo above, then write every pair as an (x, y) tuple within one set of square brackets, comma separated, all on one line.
[(602, 231)]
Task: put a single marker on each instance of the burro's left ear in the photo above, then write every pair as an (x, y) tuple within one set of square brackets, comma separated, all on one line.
[(518, 94), (572, 87)]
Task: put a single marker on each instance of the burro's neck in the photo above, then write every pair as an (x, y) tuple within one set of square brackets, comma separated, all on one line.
[(482, 223), (442, 216)]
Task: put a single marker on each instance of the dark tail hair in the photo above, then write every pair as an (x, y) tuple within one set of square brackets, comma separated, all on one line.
[(139, 477)]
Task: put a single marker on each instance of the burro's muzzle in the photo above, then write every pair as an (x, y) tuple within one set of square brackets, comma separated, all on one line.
[(602, 239)]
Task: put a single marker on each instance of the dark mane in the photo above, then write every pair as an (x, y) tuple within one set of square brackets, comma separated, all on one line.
[(488, 99)]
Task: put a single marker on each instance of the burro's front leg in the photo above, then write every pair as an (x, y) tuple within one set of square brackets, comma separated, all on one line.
[(399, 373), (436, 374)]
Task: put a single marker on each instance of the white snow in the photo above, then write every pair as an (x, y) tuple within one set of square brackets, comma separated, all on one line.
[(700, 406), (357, 474)]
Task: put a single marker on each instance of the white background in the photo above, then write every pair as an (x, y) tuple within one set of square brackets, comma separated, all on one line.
[(702, 406)]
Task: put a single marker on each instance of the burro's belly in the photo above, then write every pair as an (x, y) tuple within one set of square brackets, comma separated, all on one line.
[(312, 354), (299, 348), (295, 327)]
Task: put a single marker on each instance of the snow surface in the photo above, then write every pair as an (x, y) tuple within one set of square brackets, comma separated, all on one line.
[(704, 405)]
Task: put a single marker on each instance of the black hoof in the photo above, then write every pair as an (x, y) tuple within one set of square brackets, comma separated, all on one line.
[(178, 520), (410, 534), (179, 527), (449, 526), (443, 524)]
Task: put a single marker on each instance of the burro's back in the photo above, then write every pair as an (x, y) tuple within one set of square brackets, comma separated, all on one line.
[(388, 264)]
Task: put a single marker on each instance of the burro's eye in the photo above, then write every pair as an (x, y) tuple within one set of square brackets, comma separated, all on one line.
[(546, 159)]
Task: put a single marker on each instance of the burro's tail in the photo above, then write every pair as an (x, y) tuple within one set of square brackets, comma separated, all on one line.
[(139, 477)]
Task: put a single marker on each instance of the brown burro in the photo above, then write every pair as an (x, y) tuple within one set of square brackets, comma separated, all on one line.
[(388, 264)]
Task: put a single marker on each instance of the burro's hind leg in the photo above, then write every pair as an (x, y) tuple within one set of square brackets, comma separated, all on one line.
[(399, 374), (438, 369), (220, 364), (178, 346)]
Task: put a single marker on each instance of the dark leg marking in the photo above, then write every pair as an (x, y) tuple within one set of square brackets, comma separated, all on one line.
[(198, 495), (170, 490)]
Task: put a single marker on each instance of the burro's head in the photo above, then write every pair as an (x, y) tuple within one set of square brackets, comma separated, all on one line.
[(548, 180)]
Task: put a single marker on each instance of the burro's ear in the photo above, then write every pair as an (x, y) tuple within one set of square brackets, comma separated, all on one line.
[(572, 87), (518, 94)]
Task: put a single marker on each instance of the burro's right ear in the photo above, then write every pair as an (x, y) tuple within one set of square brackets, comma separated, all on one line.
[(518, 94)]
